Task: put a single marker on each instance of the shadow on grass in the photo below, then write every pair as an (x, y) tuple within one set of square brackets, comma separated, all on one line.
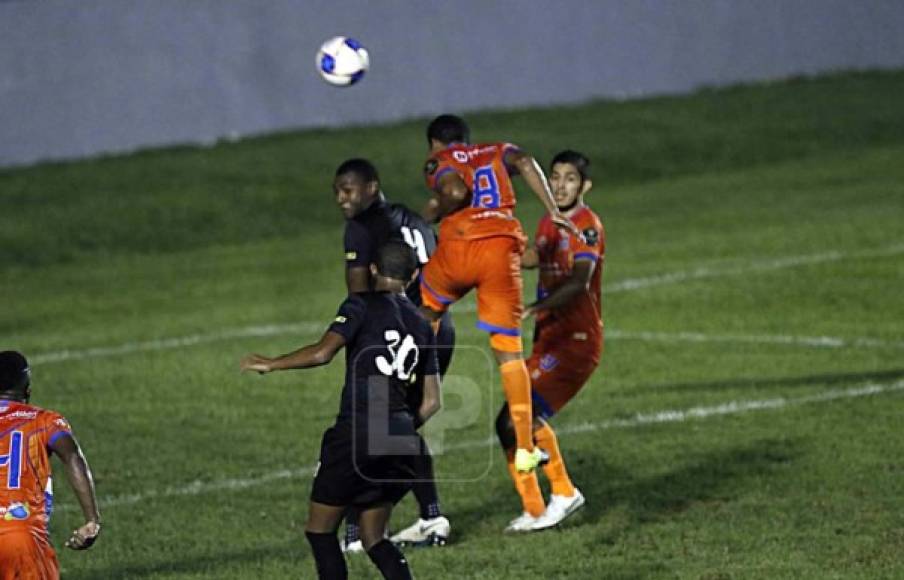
[(707, 478), (213, 564), (711, 478), (754, 382)]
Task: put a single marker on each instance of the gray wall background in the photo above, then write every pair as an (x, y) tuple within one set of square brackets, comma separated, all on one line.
[(83, 77)]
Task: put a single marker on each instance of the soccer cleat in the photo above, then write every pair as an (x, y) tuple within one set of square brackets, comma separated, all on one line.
[(523, 523), (356, 547), (529, 460), (423, 533), (559, 508)]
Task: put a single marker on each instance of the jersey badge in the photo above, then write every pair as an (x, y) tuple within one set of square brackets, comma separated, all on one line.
[(16, 511), (431, 166), (351, 256), (340, 319), (591, 236), (548, 362)]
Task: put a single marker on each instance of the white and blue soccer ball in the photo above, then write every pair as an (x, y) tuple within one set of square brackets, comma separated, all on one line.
[(342, 61)]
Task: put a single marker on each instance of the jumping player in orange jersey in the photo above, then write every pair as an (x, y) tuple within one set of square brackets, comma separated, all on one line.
[(480, 246), (568, 338), (28, 435)]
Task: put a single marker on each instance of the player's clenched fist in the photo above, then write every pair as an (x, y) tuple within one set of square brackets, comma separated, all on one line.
[(84, 537)]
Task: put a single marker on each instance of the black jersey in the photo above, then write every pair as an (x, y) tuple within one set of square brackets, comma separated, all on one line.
[(382, 222), (389, 348)]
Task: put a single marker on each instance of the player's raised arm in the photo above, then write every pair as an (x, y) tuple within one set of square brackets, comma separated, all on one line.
[(525, 164), (312, 355), (79, 476)]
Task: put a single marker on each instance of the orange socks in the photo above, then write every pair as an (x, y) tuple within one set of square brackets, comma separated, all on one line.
[(528, 488), (555, 469), (516, 385)]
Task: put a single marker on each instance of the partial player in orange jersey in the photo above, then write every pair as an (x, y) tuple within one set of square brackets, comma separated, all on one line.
[(568, 338), (480, 246), (28, 435)]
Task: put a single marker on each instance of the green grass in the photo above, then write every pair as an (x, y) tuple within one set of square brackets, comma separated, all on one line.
[(755, 214)]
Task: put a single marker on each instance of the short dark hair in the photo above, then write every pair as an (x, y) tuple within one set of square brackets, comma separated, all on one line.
[(448, 129), (14, 372), (579, 160), (360, 167), (397, 260)]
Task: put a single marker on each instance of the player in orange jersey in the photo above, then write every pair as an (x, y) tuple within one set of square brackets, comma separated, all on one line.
[(28, 435), (480, 246), (568, 338)]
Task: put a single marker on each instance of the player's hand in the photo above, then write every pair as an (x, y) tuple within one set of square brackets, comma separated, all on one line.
[(256, 363), (564, 223), (84, 537)]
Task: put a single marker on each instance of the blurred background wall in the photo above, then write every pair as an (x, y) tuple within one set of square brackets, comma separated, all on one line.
[(98, 76)]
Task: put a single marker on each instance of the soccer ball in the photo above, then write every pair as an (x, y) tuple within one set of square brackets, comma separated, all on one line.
[(342, 61)]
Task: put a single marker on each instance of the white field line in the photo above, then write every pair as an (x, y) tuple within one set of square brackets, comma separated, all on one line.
[(638, 420), (178, 342), (309, 328), (469, 306), (761, 266), (804, 341)]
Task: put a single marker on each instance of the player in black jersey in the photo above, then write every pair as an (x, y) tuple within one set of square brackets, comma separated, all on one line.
[(371, 221), (366, 457)]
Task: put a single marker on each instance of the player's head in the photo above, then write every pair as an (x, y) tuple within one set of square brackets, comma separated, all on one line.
[(15, 376), (447, 129), (356, 186), (396, 262), (569, 178)]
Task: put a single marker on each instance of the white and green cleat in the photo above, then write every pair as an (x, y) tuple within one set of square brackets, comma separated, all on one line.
[(424, 533)]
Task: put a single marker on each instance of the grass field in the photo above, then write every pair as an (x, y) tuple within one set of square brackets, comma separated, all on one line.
[(745, 421)]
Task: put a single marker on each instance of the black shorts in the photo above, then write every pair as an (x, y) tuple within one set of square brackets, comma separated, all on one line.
[(352, 473)]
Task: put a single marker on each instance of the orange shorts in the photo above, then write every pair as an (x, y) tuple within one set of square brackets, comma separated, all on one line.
[(26, 554), (492, 266), (556, 376)]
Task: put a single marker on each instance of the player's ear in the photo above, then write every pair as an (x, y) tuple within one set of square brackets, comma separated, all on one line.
[(587, 185), (373, 187)]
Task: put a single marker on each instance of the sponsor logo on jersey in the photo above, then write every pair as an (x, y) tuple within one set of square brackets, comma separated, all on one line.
[(15, 511), (20, 415), (351, 256), (340, 319), (460, 156), (579, 336)]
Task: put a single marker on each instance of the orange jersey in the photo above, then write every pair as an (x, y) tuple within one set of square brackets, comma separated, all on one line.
[(482, 167), (26, 433), (581, 318)]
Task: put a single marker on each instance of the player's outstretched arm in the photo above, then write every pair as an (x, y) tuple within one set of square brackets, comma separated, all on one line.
[(79, 475), (313, 355), (577, 282), (432, 401)]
